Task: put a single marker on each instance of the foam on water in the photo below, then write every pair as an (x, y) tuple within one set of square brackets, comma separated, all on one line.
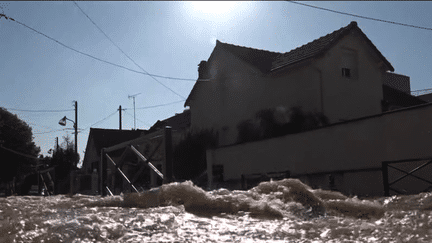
[(285, 211), (273, 200)]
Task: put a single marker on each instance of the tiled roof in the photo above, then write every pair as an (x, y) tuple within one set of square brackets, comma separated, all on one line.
[(320, 45), (179, 121), (396, 97), (104, 138), (259, 58), (267, 61)]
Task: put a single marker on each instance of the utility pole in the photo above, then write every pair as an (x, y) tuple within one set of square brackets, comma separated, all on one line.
[(57, 145), (133, 97), (120, 118), (76, 127)]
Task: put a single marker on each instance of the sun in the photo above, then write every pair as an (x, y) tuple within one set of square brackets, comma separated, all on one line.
[(213, 7)]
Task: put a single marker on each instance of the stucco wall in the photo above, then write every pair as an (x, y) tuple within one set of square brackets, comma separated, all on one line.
[(353, 145), (228, 97), (237, 91), (348, 98)]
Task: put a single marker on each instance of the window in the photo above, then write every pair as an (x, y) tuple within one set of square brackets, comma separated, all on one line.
[(346, 72), (349, 64)]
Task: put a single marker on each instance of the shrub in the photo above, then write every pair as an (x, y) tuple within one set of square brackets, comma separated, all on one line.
[(189, 154), (271, 123)]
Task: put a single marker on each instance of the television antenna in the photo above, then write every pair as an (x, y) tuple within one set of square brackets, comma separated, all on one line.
[(133, 97)]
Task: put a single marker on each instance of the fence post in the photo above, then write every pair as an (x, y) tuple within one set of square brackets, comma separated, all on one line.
[(102, 174), (168, 175), (243, 182), (384, 170), (209, 159)]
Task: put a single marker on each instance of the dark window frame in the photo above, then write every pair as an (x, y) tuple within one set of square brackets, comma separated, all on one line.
[(346, 72)]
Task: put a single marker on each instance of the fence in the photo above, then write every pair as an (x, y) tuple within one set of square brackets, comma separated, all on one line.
[(138, 163), (408, 186)]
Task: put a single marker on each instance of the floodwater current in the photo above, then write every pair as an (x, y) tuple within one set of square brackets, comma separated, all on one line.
[(275, 211)]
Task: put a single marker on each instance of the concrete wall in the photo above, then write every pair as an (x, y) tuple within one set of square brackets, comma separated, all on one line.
[(353, 145)]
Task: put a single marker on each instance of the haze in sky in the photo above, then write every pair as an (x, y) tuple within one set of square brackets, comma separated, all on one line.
[(167, 39)]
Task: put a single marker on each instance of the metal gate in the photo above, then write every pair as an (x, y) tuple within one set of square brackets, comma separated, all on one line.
[(406, 169), (136, 159)]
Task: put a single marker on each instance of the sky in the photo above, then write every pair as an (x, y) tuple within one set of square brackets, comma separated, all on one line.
[(167, 39)]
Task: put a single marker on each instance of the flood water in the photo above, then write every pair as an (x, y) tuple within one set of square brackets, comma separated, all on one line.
[(276, 211)]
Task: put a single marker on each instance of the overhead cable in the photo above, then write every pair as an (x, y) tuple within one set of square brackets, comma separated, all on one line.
[(359, 16), (19, 153), (154, 106), (125, 53), (101, 120), (13, 109), (145, 123), (96, 58), (58, 130)]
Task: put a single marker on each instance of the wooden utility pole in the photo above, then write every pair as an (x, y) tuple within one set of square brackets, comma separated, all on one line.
[(120, 118), (76, 127)]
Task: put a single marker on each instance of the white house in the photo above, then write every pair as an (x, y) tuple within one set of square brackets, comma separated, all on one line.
[(340, 75)]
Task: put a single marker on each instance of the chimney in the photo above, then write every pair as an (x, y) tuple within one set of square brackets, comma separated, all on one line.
[(202, 69)]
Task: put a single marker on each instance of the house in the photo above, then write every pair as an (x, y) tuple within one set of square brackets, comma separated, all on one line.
[(178, 122), (87, 180), (102, 138), (341, 75), (426, 97)]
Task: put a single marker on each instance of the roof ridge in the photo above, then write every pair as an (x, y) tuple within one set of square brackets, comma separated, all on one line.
[(320, 45), (251, 48), (339, 31)]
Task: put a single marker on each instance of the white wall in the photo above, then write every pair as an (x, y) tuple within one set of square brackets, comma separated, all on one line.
[(353, 145), (237, 91)]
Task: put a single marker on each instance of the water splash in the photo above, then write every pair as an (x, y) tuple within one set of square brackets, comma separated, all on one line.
[(272, 200), (275, 211)]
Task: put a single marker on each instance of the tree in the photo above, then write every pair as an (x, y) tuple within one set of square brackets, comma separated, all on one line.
[(275, 122), (190, 153), (16, 135), (65, 160)]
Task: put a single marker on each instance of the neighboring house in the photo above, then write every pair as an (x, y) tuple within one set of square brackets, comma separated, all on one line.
[(178, 122), (426, 97), (396, 99), (342, 75), (104, 138)]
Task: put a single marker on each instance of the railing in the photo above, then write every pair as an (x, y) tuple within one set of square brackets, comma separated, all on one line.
[(421, 92), (388, 164)]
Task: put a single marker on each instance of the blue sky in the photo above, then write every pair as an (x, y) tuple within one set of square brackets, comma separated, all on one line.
[(168, 39)]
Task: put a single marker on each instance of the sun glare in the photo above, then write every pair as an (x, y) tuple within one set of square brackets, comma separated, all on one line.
[(213, 7)]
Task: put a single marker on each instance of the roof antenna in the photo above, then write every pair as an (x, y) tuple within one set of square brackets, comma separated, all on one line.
[(133, 97)]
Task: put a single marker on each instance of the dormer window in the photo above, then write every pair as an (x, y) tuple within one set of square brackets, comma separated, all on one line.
[(346, 72)]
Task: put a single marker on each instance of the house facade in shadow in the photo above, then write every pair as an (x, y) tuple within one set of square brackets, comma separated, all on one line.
[(371, 118), (341, 75)]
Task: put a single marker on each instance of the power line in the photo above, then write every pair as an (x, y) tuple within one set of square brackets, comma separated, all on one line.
[(58, 130), (96, 58), (145, 123), (19, 153), (359, 16), (100, 120), (154, 106), (125, 53), (13, 109)]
